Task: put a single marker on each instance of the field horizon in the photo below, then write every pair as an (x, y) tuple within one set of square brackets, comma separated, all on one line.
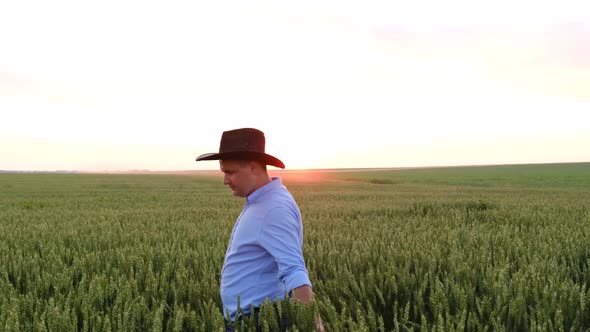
[(287, 170)]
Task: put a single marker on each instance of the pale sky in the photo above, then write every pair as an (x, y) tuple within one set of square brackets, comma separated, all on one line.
[(118, 85)]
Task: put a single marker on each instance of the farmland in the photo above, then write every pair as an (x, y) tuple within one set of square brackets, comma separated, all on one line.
[(462, 248)]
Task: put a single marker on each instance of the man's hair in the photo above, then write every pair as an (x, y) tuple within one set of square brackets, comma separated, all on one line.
[(244, 163)]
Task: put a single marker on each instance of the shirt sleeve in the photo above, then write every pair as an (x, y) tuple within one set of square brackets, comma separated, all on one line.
[(282, 236)]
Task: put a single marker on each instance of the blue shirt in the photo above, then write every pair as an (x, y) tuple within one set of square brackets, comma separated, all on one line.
[(264, 258)]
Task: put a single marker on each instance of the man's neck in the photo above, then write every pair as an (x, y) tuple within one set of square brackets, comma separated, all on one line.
[(261, 181)]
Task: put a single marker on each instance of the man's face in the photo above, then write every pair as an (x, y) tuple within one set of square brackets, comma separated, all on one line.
[(238, 176)]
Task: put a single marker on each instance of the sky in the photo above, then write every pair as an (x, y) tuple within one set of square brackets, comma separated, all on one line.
[(121, 85)]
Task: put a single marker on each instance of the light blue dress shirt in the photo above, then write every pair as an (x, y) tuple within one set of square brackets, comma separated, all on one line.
[(264, 258)]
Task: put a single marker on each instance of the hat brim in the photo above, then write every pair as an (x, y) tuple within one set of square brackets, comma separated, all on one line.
[(243, 155)]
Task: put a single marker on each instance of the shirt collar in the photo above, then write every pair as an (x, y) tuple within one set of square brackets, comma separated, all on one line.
[(274, 184)]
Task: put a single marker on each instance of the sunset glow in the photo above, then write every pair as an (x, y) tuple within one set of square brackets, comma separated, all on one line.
[(142, 85)]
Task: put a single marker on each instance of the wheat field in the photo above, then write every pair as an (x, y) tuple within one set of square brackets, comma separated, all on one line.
[(496, 248)]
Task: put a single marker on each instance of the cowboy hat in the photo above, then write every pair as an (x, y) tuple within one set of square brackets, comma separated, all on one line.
[(242, 144)]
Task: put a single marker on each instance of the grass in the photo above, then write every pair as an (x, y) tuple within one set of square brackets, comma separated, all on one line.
[(574, 175)]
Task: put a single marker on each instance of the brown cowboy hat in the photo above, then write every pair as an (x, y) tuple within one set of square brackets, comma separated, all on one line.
[(242, 144)]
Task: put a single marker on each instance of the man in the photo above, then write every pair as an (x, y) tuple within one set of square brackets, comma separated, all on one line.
[(264, 259)]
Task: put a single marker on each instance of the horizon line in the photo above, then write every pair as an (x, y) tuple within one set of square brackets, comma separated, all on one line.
[(330, 169)]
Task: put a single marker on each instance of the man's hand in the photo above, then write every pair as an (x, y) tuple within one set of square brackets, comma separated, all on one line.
[(304, 294), (319, 324)]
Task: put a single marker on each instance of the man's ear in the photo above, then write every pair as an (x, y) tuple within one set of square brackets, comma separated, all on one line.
[(252, 165), (255, 166)]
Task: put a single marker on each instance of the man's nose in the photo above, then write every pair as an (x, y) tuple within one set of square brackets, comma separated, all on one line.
[(226, 179)]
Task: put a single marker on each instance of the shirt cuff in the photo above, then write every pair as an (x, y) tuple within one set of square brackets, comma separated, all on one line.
[(296, 279)]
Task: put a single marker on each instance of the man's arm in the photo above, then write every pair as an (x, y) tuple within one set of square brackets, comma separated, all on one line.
[(281, 237)]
